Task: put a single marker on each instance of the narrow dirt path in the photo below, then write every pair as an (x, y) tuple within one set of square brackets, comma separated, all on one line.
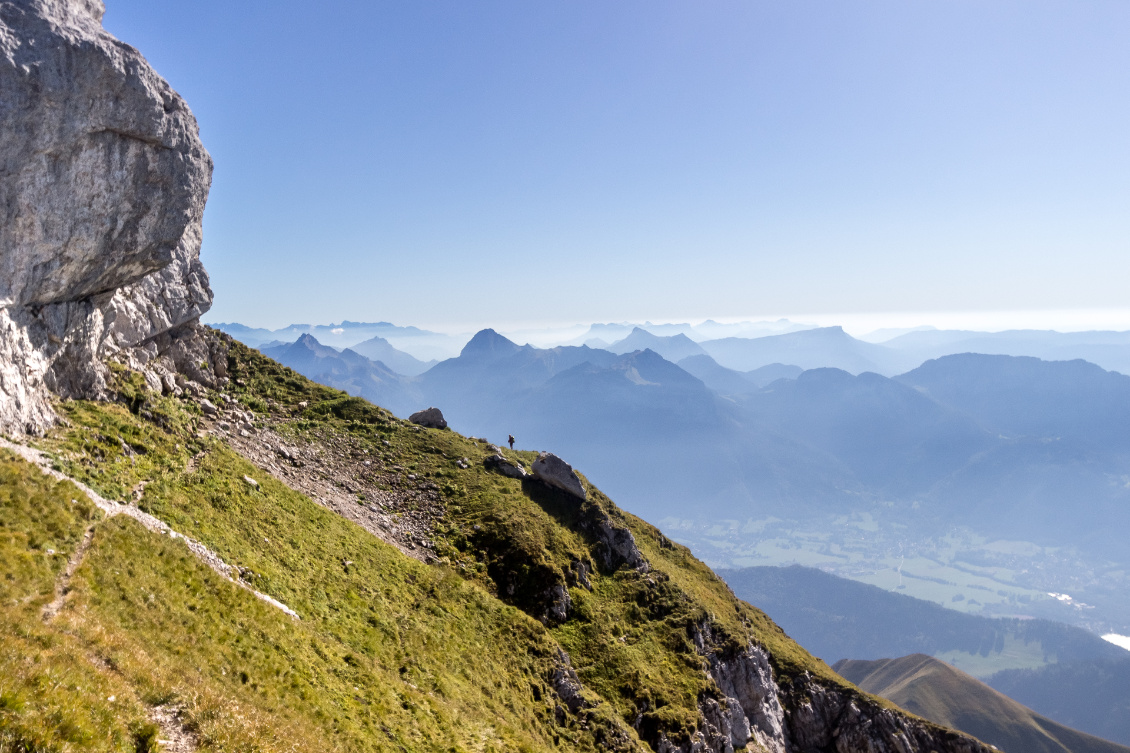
[(111, 508), (193, 461), (63, 582), (174, 737)]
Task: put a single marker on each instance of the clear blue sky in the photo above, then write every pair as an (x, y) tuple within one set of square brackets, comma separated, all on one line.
[(463, 163)]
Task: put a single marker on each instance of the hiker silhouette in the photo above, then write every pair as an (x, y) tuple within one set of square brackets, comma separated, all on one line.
[(511, 440)]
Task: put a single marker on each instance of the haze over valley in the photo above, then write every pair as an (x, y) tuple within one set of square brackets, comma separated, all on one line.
[(991, 481)]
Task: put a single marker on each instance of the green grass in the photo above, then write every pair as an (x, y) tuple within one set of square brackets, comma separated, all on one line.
[(390, 654), (52, 697)]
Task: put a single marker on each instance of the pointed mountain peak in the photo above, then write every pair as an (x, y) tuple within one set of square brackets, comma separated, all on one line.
[(306, 341), (488, 344)]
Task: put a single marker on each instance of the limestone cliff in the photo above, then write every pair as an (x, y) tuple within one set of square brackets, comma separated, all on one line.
[(103, 181)]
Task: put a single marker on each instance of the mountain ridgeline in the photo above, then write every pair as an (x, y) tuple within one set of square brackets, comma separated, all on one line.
[(1007, 446), (941, 693)]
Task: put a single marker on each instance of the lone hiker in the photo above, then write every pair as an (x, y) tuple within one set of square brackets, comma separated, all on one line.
[(511, 440)]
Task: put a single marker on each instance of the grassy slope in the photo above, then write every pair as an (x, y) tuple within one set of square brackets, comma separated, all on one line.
[(946, 695), (390, 654)]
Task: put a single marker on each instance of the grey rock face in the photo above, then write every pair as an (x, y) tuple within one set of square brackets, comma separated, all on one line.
[(499, 464), (555, 472), (565, 681), (802, 716), (619, 545), (754, 704), (558, 604), (429, 418), (103, 181)]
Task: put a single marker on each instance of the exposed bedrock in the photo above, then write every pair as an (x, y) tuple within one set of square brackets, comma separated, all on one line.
[(103, 181), (800, 714)]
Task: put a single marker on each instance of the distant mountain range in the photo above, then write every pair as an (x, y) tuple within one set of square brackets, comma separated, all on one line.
[(421, 343), (945, 695), (346, 369), (707, 330), (1038, 440), (1111, 350), (381, 350), (674, 348), (809, 349), (732, 382), (978, 446), (745, 346)]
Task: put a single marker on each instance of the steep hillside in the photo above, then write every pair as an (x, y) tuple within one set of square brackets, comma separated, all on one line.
[(941, 693), (406, 598)]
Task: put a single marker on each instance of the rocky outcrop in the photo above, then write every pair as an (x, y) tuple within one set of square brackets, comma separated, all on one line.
[(753, 705), (555, 472), (616, 544), (429, 418), (499, 464), (103, 181), (610, 734), (800, 715)]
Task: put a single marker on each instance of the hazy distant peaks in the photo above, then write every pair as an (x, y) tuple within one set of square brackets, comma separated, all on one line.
[(600, 334), (740, 347), (488, 343), (380, 349), (422, 344), (309, 342), (672, 347)]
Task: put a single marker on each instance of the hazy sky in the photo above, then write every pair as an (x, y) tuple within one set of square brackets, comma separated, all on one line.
[(461, 163)]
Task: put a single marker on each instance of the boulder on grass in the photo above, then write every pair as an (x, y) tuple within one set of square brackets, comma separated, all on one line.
[(429, 418), (499, 464), (555, 472)]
